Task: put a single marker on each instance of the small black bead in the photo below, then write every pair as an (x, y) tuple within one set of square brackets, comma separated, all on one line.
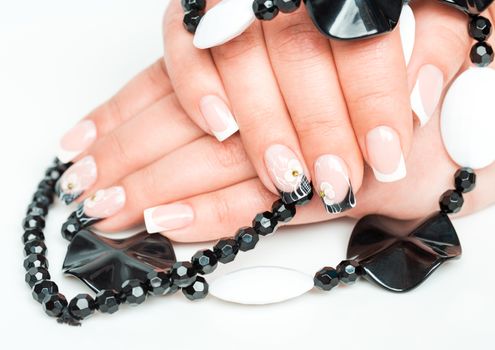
[(182, 273), (451, 202), (53, 173), (265, 9), (265, 223), (158, 282), (82, 306), (196, 290), (36, 274), (107, 301), (226, 249), (47, 184), (54, 304), (31, 221), (283, 212), (188, 5), (480, 28), (70, 228), (349, 271), (35, 246), (35, 260), (134, 291), (42, 289), (326, 279), (192, 19), (36, 209), (287, 6), (247, 238), (43, 198), (204, 261), (465, 180), (482, 54), (30, 235)]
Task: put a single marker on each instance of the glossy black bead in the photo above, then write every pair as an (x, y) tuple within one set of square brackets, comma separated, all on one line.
[(134, 292), (348, 271), (42, 289), (451, 202), (465, 180), (283, 212), (47, 184), (36, 274), (192, 19), (35, 246), (54, 173), (33, 234), (31, 221), (107, 301), (265, 10), (480, 28), (287, 6), (326, 279), (188, 5), (54, 304), (182, 273), (196, 290), (205, 261), (247, 238), (158, 282), (226, 250), (70, 228), (265, 223), (43, 197), (35, 260), (82, 306), (36, 209), (482, 54)]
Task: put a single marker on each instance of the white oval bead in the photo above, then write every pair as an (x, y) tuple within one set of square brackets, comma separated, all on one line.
[(223, 22), (407, 26), (261, 285), (468, 119)]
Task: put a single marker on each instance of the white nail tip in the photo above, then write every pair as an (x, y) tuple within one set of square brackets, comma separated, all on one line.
[(151, 227), (467, 120), (261, 285), (407, 27), (231, 129), (418, 106), (223, 22), (66, 156), (397, 175)]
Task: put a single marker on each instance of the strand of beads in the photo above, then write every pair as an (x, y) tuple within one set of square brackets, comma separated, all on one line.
[(480, 29)]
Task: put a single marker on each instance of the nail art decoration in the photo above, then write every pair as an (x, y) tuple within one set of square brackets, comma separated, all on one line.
[(77, 179), (76, 140), (103, 204)]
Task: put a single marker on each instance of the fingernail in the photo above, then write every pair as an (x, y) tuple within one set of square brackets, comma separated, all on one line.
[(76, 140), (168, 217), (105, 203), (385, 154), (427, 92), (333, 184), (218, 117), (407, 27), (287, 174), (77, 179)]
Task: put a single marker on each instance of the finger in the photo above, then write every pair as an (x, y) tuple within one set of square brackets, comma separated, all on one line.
[(195, 79), (131, 146), (299, 53), (373, 77), (141, 92)]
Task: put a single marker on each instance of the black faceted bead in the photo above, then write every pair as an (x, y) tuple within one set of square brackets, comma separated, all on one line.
[(47, 184), (43, 197), (36, 209), (265, 223), (192, 19), (247, 238), (107, 301), (283, 212), (480, 28), (82, 306), (30, 235), (188, 5), (326, 279), (205, 261), (35, 260), (35, 246), (196, 290), (54, 173), (36, 274), (265, 9), (226, 250), (482, 54), (42, 289), (32, 221), (70, 228), (54, 305), (465, 180), (451, 202), (287, 6), (348, 271), (182, 273), (158, 282), (134, 292)]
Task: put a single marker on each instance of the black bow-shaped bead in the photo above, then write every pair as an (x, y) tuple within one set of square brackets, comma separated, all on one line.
[(472, 7)]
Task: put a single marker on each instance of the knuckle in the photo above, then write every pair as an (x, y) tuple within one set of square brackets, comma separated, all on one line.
[(249, 40), (222, 209), (149, 184), (118, 150), (228, 154), (258, 118), (157, 74), (321, 124), (172, 20), (374, 99)]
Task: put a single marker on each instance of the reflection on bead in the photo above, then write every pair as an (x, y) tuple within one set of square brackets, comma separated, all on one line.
[(205, 261), (482, 54), (196, 290), (451, 202), (247, 238), (42, 289), (36, 274), (226, 250), (480, 28), (265, 9), (158, 282), (348, 271), (134, 292), (465, 180), (35, 246), (35, 260), (33, 234), (265, 223), (107, 301), (188, 5), (182, 273), (283, 212), (287, 6), (54, 305), (82, 306), (192, 19), (326, 279), (31, 222)]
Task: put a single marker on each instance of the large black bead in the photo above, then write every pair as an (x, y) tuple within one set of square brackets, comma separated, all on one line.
[(182, 273), (482, 54), (47, 184), (107, 301), (36, 209), (265, 223), (247, 238), (188, 5), (43, 197), (35, 246), (196, 290), (54, 305), (226, 250), (36, 274), (35, 260), (32, 221), (451, 202), (287, 6), (33, 234), (54, 173), (205, 261), (82, 306), (326, 279), (158, 282), (134, 292), (349, 271), (191, 20), (70, 228), (472, 7), (283, 212), (465, 180), (265, 9), (42, 289), (480, 28)]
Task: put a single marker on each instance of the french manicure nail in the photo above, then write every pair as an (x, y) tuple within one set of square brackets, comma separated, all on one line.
[(427, 92), (168, 217), (287, 174), (407, 27), (218, 117), (77, 179), (105, 203), (385, 154), (333, 184), (76, 140)]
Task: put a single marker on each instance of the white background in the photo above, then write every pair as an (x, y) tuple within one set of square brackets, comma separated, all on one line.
[(58, 60)]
